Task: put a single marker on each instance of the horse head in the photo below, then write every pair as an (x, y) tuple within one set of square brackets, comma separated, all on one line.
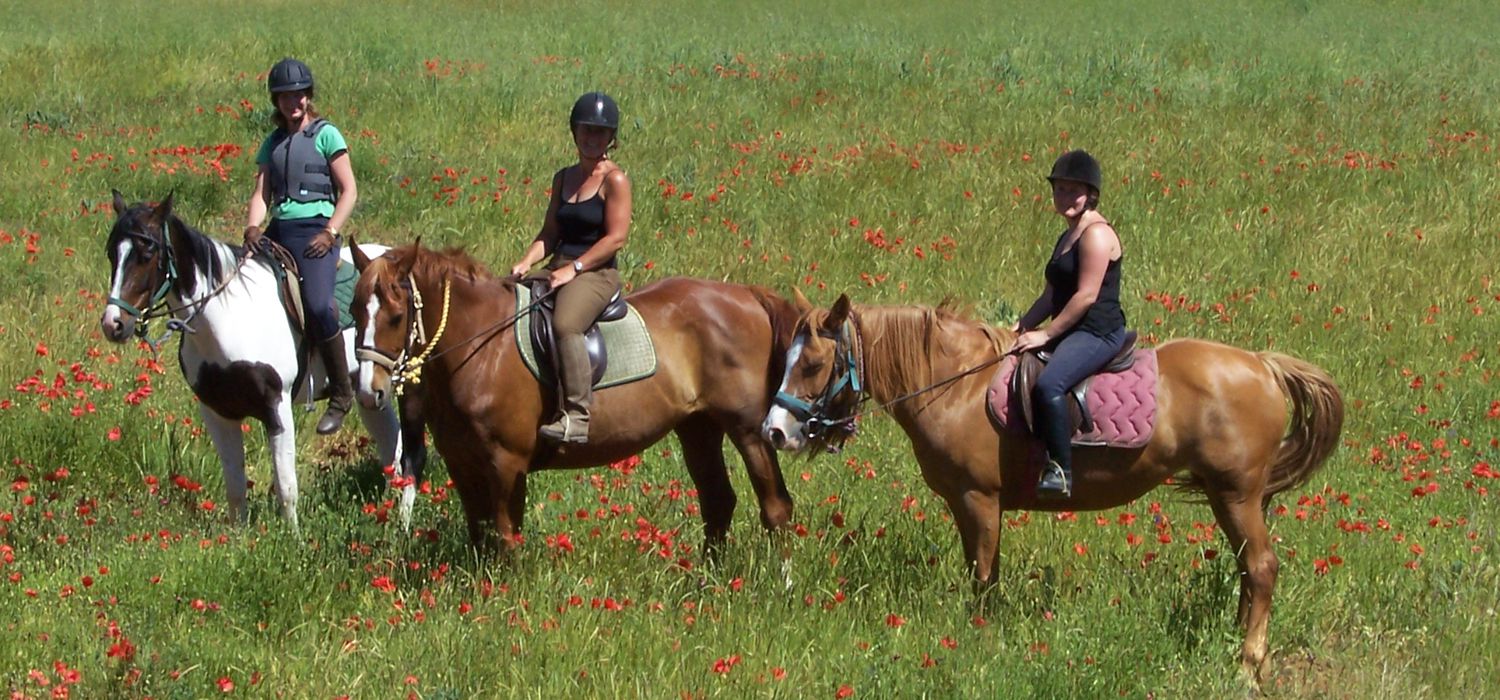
[(384, 317), (822, 385), (142, 265)]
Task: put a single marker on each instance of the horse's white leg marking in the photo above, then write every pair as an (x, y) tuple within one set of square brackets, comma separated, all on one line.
[(230, 443), (284, 459)]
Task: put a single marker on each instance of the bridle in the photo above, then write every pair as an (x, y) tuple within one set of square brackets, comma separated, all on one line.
[(166, 265), (403, 366), (823, 419), (157, 306), (406, 368)]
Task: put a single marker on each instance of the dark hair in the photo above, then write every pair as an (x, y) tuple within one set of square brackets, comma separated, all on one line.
[(1093, 201)]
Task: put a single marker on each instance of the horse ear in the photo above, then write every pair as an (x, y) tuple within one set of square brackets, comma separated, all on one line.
[(163, 211), (119, 204), (361, 261), (838, 313), (798, 298), (416, 244)]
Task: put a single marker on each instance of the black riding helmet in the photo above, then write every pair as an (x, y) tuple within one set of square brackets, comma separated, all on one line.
[(289, 75), (596, 109), (1077, 166)]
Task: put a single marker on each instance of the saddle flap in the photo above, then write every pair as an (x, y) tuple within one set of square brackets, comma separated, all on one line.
[(289, 280)]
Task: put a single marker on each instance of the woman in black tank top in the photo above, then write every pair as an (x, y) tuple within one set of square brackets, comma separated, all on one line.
[(586, 224), (1082, 299)]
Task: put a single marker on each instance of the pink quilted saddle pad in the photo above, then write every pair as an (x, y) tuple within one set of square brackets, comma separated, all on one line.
[(1122, 404)]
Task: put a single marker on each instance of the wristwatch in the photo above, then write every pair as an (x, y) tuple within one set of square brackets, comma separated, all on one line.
[(577, 266)]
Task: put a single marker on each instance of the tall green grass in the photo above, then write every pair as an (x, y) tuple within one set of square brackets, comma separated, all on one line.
[(1313, 178)]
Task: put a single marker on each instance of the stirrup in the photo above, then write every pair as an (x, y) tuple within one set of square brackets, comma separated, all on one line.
[(1055, 483), (567, 429)]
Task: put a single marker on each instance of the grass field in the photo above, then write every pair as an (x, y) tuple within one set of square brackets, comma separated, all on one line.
[(1314, 178)]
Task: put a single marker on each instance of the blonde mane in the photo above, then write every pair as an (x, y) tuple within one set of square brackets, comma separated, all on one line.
[(902, 344)]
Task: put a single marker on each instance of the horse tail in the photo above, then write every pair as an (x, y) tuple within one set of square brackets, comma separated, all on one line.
[(1317, 419)]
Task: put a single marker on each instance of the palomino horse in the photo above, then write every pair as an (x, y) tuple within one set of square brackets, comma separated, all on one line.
[(719, 349), (238, 352), (1222, 428)]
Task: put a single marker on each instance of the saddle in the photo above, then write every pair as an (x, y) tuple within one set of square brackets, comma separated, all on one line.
[(541, 331), (1030, 367), (289, 282)]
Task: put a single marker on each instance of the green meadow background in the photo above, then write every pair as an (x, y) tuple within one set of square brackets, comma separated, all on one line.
[(1315, 178)]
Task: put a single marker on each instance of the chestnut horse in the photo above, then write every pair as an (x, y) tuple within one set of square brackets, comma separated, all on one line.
[(719, 352), (1236, 426)]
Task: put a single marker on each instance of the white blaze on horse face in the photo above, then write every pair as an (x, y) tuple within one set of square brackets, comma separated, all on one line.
[(779, 419), (116, 283), (366, 338)]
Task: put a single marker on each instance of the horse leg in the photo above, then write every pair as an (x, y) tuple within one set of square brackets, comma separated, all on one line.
[(281, 438), (1244, 524), (391, 441), (765, 476), (982, 510), (509, 497), (703, 451), (977, 515), (229, 441)]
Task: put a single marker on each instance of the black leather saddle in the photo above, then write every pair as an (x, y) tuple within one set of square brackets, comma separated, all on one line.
[(541, 331)]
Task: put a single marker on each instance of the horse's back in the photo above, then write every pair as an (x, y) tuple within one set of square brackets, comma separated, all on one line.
[(1216, 397)]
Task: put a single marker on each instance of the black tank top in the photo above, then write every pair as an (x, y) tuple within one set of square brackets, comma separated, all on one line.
[(1105, 314), (580, 224)]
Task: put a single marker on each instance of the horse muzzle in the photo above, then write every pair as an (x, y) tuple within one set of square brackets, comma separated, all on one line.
[(783, 430), (116, 326)]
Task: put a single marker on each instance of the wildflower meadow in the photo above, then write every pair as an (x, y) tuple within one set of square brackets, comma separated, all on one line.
[(1319, 179)]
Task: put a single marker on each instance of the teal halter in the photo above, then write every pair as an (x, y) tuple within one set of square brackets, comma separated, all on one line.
[(167, 265), (816, 416)]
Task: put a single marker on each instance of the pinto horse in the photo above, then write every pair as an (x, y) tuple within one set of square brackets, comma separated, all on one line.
[(239, 352), (719, 349), (1236, 426)]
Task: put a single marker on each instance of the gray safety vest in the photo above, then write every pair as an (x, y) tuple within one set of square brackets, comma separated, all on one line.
[(298, 171)]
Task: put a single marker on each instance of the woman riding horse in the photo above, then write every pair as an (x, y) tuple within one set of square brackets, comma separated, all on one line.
[(1082, 297), (582, 234), (306, 182)]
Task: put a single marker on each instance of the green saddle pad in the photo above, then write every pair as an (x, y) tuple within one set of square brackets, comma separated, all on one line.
[(343, 293), (627, 342)]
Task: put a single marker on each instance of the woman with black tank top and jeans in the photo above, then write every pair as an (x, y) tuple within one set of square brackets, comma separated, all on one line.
[(1082, 297), (587, 221)]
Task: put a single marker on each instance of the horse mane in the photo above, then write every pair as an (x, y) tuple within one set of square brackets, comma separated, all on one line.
[(204, 252), (429, 263), (783, 315), (902, 344)]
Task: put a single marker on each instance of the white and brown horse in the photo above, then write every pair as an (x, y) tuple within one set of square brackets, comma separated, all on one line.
[(1236, 426), (239, 352)]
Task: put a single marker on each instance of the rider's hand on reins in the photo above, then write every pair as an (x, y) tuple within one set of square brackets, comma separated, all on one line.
[(561, 276), (322, 243), (254, 239), (1030, 340)]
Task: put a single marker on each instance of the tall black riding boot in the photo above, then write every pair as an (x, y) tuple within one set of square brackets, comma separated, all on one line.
[(340, 393), (1057, 434)]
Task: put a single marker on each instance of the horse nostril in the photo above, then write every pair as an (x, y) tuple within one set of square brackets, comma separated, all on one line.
[(777, 437)]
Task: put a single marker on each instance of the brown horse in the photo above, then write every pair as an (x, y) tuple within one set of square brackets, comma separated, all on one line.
[(719, 350), (1223, 429)]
